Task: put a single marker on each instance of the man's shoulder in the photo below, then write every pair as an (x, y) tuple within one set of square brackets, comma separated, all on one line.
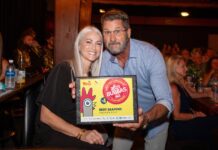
[(143, 48), (142, 45)]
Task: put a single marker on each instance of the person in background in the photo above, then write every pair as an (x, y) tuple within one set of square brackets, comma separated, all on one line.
[(127, 56), (208, 54), (186, 54), (30, 51), (211, 74), (196, 60), (196, 66), (166, 51), (56, 121), (3, 62), (186, 122), (175, 49), (48, 50)]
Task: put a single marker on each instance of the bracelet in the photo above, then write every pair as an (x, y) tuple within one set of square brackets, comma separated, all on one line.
[(80, 134)]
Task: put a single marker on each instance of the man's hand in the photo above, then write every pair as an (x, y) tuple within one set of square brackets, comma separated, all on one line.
[(73, 89), (134, 126)]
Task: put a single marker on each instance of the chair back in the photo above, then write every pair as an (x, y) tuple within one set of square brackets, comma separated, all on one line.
[(31, 109)]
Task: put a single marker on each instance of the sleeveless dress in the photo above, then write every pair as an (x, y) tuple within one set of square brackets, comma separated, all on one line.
[(196, 129)]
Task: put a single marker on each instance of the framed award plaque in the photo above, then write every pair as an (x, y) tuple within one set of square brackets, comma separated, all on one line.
[(106, 99)]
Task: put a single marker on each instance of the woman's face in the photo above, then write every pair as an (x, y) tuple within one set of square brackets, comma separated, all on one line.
[(181, 68), (90, 47), (28, 40), (214, 64)]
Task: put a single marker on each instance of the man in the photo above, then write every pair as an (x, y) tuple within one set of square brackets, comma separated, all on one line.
[(126, 56)]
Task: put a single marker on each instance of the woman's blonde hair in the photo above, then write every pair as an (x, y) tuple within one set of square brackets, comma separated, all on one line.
[(172, 64), (76, 61)]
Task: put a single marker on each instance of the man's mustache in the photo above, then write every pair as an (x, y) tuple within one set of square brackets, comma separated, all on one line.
[(114, 43)]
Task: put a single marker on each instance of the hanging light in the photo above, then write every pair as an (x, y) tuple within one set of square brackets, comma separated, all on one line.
[(184, 14), (101, 11)]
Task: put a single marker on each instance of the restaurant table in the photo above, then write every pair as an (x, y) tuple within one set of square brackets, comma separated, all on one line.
[(206, 105), (30, 81)]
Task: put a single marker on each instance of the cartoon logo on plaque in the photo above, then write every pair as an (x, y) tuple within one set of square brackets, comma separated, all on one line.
[(86, 102), (116, 91)]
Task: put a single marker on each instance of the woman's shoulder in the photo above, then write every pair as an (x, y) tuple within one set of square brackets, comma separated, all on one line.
[(174, 86), (61, 67), (63, 64)]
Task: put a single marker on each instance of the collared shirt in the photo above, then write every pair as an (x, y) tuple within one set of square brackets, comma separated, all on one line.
[(146, 62)]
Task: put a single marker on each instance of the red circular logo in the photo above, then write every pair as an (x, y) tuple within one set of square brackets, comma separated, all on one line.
[(116, 90)]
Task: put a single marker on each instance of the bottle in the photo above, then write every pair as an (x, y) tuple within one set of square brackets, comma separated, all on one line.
[(10, 75), (21, 71), (200, 87)]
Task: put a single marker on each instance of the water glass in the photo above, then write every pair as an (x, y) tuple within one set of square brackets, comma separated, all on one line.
[(215, 90)]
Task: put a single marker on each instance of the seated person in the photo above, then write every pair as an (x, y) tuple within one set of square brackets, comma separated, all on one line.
[(196, 66), (3, 62), (3, 67), (211, 74), (30, 51), (56, 121), (48, 50), (209, 54), (187, 123), (186, 54)]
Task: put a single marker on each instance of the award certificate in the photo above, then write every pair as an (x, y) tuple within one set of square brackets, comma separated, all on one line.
[(106, 99)]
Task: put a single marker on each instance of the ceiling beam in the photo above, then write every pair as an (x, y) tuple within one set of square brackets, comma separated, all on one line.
[(193, 4), (168, 21)]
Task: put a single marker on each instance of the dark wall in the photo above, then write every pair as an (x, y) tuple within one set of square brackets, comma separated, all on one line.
[(16, 16), (185, 37)]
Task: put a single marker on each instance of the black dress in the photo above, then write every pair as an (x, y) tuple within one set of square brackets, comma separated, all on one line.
[(56, 96), (194, 129)]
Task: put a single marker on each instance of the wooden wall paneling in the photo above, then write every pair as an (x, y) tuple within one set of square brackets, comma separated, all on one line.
[(66, 28), (85, 13)]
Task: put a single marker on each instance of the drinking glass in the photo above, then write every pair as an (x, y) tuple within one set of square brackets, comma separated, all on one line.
[(215, 90)]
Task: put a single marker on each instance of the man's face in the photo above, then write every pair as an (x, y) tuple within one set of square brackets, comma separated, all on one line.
[(116, 37), (197, 58)]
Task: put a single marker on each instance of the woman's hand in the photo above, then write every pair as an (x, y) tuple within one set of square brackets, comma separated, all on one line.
[(73, 89), (199, 114), (92, 137)]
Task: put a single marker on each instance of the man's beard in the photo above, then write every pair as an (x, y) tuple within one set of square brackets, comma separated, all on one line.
[(120, 49)]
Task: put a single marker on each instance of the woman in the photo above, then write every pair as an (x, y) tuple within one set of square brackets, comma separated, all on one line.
[(186, 123), (30, 51), (3, 62), (48, 49), (56, 124), (211, 74)]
